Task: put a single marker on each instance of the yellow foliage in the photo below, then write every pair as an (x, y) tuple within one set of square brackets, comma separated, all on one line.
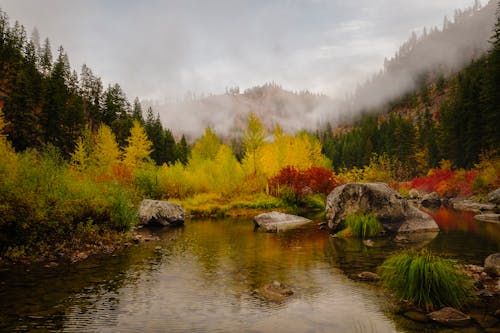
[(422, 160), (106, 152), (80, 157), (445, 164), (253, 138), (3, 125), (138, 148), (8, 157), (206, 147), (488, 168), (301, 151), (176, 182)]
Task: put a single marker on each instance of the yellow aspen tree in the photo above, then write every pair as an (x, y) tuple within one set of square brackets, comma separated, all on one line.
[(139, 147), (206, 147), (8, 157), (253, 138), (80, 158), (227, 171), (106, 152), (3, 125)]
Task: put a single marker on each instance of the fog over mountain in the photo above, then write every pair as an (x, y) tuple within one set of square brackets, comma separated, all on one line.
[(436, 51)]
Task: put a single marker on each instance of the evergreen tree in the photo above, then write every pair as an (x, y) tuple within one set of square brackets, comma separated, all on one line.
[(182, 151), (169, 147), (137, 111), (490, 94), (156, 135), (46, 58)]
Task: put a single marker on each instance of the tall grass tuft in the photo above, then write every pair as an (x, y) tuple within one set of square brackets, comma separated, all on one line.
[(426, 280), (361, 226)]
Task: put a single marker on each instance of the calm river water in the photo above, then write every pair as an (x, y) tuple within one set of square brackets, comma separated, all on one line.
[(200, 278)]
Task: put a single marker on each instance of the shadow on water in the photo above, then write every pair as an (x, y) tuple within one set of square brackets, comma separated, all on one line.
[(201, 278)]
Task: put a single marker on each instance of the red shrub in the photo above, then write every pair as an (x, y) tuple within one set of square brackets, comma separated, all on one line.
[(312, 180), (446, 182)]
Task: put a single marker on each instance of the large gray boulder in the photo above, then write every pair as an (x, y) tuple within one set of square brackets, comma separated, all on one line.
[(394, 212), (275, 221), (159, 212)]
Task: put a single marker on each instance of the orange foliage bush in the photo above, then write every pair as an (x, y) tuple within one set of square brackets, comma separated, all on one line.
[(121, 172)]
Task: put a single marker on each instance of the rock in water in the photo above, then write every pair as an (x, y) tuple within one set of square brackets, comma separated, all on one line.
[(431, 200), (368, 276), (494, 197), (450, 317), (488, 217), (394, 212), (159, 212), (275, 221), (492, 265), (473, 206)]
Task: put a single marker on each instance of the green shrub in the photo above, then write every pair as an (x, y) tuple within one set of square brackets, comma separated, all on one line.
[(361, 226), (426, 280)]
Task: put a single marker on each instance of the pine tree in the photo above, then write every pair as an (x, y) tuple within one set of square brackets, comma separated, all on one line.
[(137, 111), (490, 94), (169, 152), (156, 135), (46, 58), (182, 151)]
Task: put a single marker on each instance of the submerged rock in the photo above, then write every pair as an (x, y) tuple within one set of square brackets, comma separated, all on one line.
[(450, 317), (492, 264), (488, 217), (276, 221), (416, 315), (367, 276), (274, 291), (394, 212), (159, 212)]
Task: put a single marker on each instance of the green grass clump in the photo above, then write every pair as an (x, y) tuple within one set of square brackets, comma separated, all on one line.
[(426, 280), (361, 226)]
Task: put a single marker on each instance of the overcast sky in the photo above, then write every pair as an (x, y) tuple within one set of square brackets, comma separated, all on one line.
[(157, 49)]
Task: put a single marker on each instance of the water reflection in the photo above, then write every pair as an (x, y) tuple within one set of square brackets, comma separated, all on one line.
[(201, 278)]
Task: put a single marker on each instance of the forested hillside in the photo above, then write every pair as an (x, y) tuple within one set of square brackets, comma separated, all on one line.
[(47, 103), (454, 118)]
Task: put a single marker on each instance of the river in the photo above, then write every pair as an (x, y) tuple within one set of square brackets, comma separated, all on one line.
[(201, 278)]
